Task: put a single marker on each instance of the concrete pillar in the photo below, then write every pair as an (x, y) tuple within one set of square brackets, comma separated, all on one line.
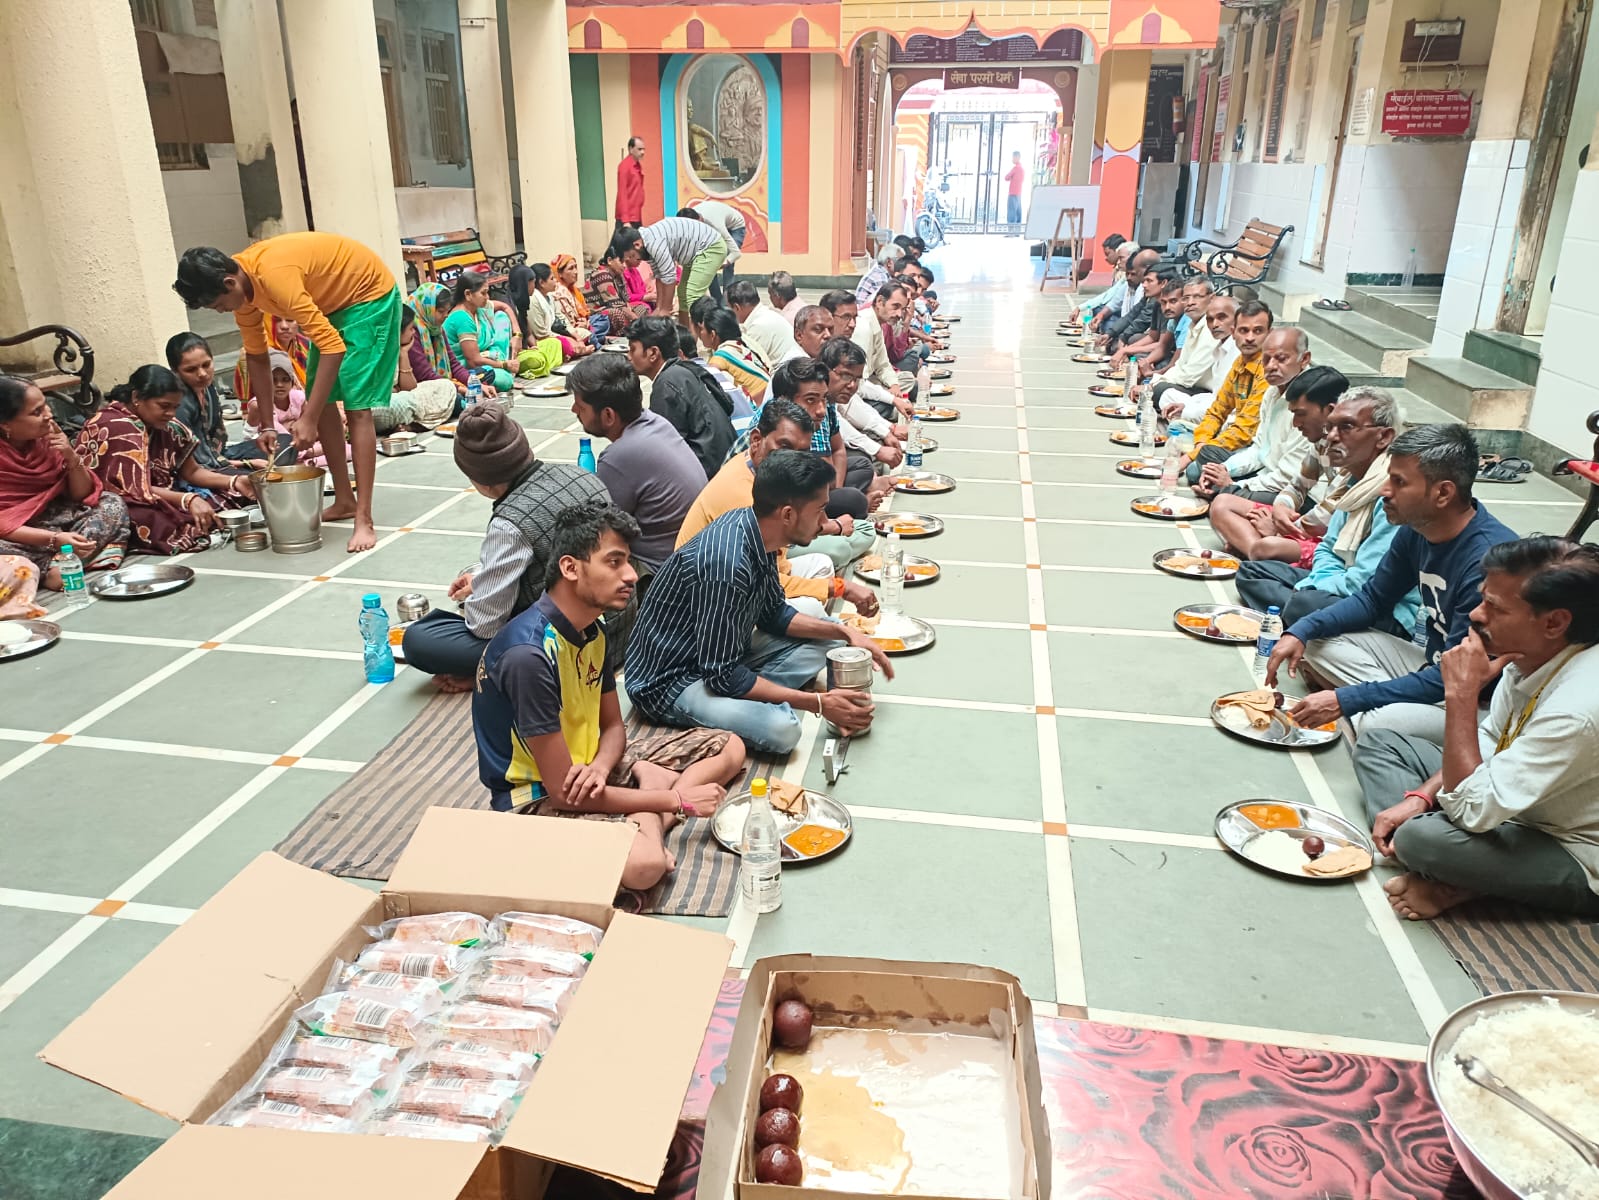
[(616, 119), (1125, 84), (338, 89), (1083, 114), (546, 150), (84, 238), (485, 120), (263, 125)]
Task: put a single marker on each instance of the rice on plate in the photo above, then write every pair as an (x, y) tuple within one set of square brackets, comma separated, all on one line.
[(1550, 1055)]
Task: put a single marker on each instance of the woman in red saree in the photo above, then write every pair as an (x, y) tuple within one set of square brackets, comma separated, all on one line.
[(139, 451), (48, 497)]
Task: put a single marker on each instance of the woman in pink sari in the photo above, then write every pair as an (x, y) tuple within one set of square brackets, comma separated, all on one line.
[(48, 497)]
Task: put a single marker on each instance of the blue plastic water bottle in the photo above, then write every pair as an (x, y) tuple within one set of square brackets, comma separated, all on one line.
[(585, 453), (378, 655)]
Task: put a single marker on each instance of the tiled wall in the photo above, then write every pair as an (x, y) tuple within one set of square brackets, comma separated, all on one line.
[(1567, 392), (1388, 199), (1484, 229)]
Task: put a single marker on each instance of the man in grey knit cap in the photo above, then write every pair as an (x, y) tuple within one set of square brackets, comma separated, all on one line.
[(493, 453)]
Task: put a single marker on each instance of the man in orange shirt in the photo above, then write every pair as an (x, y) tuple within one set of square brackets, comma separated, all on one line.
[(347, 303), (1013, 197)]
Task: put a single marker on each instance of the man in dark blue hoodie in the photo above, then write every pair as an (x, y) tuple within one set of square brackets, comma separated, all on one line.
[(1378, 680)]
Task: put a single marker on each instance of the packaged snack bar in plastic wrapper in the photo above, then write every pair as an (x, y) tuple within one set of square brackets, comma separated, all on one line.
[(346, 1055), (391, 987), (549, 931), (321, 1090), (396, 1022), (473, 1060), (495, 1025), (439, 961), (423, 1125), (486, 1102), (456, 928), (534, 962), (277, 1114), (518, 991)]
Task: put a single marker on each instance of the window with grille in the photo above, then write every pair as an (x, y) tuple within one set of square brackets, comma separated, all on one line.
[(1357, 11), (862, 104), (1277, 84), (147, 14), (205, 14), (440, 68), (182, 156), (1318, 19)]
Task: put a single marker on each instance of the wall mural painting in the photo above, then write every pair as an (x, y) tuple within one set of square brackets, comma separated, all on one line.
[(721, 104)]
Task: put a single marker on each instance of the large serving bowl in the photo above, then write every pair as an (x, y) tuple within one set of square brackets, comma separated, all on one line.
[(1441, 1058)]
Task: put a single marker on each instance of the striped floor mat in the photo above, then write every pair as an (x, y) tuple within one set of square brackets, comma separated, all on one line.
[(1506, 949), (362, 827)]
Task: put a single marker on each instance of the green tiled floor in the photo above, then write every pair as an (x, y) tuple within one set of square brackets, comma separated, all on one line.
[(1072, 850)]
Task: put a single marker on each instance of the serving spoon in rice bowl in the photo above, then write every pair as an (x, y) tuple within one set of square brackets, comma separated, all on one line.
[(1478, 1072)]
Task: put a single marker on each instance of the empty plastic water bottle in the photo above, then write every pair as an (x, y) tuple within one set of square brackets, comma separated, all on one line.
[(71, 568), (585, 453), (913, 444), (378, 656)]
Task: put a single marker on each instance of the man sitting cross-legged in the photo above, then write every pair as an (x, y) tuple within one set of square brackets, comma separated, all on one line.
[(691, 402), (868, 437), (1230, 423), (1360, 429), (1184, 393), (718, 644), (1154, 344), (546, 717), (1273, 457), (782, 425), (1508, 805), (493, 453), (885, 402), (1380, 681)]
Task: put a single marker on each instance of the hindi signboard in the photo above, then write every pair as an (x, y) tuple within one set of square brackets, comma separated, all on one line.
[(1426, 113), (989, 77)]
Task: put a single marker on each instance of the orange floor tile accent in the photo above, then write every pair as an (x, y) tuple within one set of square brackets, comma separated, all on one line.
[(321, 578), (56, 739), (1044, 710), (1073, 1012), (209, 645), (1057, 828), (107, 908), (285, 760)]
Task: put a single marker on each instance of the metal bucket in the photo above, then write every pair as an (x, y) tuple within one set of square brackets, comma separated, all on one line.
[(291, 499), (849, 668)]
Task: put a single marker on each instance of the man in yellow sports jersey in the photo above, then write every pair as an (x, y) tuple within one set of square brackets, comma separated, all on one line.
[(550, 737), (346, 300)]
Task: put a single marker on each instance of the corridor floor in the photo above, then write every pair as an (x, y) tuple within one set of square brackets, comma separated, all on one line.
[(1037, 793)]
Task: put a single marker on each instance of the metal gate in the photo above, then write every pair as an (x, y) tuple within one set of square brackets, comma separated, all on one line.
[(973, 150)]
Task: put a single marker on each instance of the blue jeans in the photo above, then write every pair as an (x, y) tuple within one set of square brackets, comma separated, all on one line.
[(1013, 210), (772, 728)]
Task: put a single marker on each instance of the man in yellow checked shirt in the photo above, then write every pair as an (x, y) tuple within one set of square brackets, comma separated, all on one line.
[(347, 303)]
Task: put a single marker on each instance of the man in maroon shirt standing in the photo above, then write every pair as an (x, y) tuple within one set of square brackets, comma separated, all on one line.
[(630, 185)]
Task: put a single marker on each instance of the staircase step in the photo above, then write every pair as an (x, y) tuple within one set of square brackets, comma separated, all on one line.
[(1324, 354), (1381, 347), (1508, 353), (1470, 392), (1413, 311)]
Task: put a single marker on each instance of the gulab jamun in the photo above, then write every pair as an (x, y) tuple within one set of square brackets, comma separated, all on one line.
[(779, 1164), (791, 1024), (1313, 847), (777, 1126), (782, 1091)]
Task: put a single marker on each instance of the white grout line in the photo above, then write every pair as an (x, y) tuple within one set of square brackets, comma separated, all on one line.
[(160, 914), (1144, 837), (132, 693), (289, 652), (37, 967), (46, 901), (908, 816), (22, 760), (1333, 1042), (128, 639)]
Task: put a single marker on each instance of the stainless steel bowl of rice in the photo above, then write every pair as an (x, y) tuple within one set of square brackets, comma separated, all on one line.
[(1544, 1044)]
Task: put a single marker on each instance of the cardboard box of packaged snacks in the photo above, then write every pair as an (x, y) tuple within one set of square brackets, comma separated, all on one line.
[(188, 1026), (917, 1078)]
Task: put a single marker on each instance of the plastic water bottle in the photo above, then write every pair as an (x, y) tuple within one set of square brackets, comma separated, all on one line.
[(913, 444), (585, 454), (760, 874), (474, 389), (891, 591), (71, 568), (1266, 641), (378, 655), (1408, 279), (1148, 419), (1130, 375), (924, 384), (1168, 468)]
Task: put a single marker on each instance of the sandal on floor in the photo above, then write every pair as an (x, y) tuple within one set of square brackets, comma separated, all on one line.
[(1519, 465), (1327, 305), (1499, 473)]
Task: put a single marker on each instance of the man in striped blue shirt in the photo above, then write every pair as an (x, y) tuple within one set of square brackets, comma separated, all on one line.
[(718, 645)]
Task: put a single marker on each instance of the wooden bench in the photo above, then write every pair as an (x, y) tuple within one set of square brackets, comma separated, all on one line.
[(441, 257), (1588, 470), (68, 383), (1246, 261)]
